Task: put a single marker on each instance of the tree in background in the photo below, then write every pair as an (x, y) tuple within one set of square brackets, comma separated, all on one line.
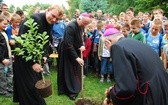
[(12, 8), (93, 5), (42, 6), (73, 4), (1, 1), (149, 5), (165, 8), (117, 6)]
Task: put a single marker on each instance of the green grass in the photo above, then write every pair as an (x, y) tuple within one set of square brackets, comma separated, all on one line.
[(92, 89)]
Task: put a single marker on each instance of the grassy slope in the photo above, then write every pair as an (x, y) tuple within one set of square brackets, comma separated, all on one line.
[(92, 89)]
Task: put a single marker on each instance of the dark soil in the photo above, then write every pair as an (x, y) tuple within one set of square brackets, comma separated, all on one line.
[(44, 88), (40, 84), (87, 101)]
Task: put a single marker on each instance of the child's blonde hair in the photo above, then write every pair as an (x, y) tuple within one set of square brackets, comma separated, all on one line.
[(122, 14), (89, 26), (136, 22), (2, 18), (15, 17), (159, 10), (99, 25), (7, 15), (157, 22)]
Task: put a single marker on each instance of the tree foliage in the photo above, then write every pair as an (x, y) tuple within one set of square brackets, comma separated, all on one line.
[(12, 8), (149, 5), (42, 6), (117, 6), (73, 4), (93, 5)]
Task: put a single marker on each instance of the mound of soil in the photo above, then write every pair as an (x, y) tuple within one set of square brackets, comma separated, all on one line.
[(87, 101)]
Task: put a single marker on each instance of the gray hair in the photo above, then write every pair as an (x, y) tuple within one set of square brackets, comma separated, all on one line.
[(113, 36)]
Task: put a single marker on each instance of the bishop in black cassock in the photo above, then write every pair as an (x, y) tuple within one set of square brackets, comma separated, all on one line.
[(138, 72), (69, 66), (69, 71)]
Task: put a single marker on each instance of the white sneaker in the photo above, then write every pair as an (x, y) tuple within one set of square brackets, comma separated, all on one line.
[(108, 80), (102, 80), (84, 76)]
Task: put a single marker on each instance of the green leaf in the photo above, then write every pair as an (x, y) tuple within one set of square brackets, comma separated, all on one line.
[(28, 58)]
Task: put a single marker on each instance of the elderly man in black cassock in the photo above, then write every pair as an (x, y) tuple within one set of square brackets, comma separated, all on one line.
[(69, 65), (138, 72), (26, 74)]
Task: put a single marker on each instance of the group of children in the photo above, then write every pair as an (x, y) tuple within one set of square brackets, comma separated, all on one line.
[(98, 56), (153, 32)]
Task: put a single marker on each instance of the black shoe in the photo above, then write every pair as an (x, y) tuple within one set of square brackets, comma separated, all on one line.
[(72, 96)]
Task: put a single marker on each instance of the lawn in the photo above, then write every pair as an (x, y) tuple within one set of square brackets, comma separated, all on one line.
[(92, 89)]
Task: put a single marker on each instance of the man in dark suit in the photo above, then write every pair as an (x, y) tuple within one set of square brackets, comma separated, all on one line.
[(26, 73)]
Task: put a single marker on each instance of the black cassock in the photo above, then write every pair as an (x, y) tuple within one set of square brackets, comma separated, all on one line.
[(24, 76), (69, 71), (139, 74)]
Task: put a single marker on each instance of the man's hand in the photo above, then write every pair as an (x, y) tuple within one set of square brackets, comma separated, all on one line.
[(37, 67), (82, 48), (107, 101), (12, 42), (100, 58), (108, 44), (100, 33), (107, 92), (110, 59), (80, 61), (6, 61)]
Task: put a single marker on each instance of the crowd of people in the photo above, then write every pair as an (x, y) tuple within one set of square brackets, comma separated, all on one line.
[(132, 50)]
